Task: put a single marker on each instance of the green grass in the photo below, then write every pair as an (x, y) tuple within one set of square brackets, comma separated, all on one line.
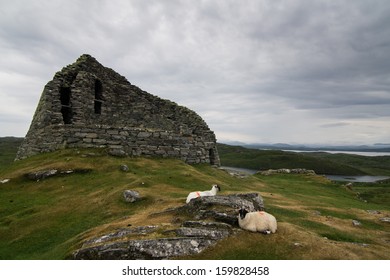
[(373, 165), (377, 193), (344, 237), (42, 220), (8, 148), (51, 218), (337, 214), (37, 218), (285, 215)]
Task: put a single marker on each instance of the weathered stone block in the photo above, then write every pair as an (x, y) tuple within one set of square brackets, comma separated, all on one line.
[(99, 141), (144, 134), (91, 135), (116, 146), (72, 140)]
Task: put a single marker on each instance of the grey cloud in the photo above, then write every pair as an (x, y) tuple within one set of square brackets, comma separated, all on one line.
[(331, 125), (260, 69)]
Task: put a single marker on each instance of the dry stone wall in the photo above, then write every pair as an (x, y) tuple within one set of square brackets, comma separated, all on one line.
[(87, 105)]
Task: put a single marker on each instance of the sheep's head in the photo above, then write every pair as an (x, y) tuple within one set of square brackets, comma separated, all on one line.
[(217, 188), (242, 212)]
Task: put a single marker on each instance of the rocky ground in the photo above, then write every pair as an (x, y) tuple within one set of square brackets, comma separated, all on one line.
[(207, 220)]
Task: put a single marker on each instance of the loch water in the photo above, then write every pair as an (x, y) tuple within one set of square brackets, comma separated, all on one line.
[(358, 179)]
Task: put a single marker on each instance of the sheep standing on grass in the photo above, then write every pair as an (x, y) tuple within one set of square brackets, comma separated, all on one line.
[(212, 192), (257, 221)]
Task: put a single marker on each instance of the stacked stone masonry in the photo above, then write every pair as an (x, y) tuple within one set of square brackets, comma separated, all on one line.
[(87, 105)]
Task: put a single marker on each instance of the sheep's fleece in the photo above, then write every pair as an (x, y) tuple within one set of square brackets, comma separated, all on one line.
[(257, 221), (212, 192)]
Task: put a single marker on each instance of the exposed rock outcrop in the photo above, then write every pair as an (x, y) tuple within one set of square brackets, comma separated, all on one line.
[(162, 248), (211, 219), (43, 174), (286, 171), (223, 208), (385, 219), (131, 196)]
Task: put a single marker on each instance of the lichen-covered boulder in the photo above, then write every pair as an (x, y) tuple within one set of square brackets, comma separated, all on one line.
[(223, 208), (162, 248), (131, 196), (213, 218)]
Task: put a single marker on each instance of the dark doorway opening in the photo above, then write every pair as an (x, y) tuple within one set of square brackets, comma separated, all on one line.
[(66, 108), (212, 156), (98, 97)]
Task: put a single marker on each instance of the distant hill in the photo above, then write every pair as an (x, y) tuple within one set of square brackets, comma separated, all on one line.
[(378, 147), (320, 162), (8, 148)]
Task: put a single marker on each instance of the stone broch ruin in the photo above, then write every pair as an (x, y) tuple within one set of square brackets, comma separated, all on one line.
[(87, 105)]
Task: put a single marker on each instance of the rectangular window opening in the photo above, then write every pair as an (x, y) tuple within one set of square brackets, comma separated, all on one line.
[(98, 97), (66, 109)]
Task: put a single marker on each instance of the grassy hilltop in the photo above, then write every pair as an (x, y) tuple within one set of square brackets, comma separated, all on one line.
[(50, 218)]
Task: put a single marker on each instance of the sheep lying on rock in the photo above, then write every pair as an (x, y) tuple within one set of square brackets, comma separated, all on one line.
[(257, 221), (212, 192)]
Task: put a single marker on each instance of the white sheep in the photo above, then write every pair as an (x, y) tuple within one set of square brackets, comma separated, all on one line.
[(212, 192), (257, 221)]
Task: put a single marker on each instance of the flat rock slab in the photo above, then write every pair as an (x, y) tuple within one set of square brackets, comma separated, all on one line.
[(162, 248), (43, 174), (213, 219), (214, 234), (223, 208), (123, 232), (385, 219), (211, 225)]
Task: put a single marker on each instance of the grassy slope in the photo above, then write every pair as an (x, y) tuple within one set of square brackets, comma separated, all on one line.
[(42, 219), (8, 149), (378, 165), (315, 222), (50, 218), (321, 163)]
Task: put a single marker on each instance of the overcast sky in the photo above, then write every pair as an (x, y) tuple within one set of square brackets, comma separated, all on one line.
[(299, 71)]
